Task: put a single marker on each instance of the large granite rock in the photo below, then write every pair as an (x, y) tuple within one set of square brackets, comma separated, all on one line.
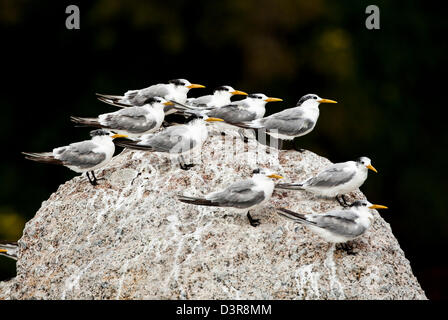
[(129, 238)]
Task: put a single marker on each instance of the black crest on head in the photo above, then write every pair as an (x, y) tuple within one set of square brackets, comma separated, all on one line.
[(359, 203), (222, 88), (306, 97), (255, 96), (152, 100), (177, 82), (99, 132)]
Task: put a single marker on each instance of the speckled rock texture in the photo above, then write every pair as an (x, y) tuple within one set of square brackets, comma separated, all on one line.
[(129, 238)]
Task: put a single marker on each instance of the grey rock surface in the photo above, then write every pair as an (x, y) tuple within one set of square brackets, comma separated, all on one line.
[(129, 238)]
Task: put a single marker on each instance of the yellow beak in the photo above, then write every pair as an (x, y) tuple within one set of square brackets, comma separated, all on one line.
[(327, 101), (378, 206), (3, 251), (275, 176), (119, 136), (213, 119), (195, 86), (238, 92), (371, 168), (273, 99), (168, 103)]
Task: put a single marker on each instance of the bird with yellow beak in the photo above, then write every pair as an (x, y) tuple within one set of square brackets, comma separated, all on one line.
[(85, 156), (243, 195), (335, 180), (176, 90), (337, 226)]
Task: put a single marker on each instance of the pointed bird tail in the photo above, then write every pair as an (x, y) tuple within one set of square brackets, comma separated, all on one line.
[(42, 157), (196, 201), (289, 186), (112, 100), (131, 144), (291, 215), (248, 125), (86, 122)]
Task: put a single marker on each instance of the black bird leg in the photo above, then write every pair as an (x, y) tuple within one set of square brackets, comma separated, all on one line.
[(253, 222), (185, 166), (92, 182), (348, 248), (95, 178), (342, 202)]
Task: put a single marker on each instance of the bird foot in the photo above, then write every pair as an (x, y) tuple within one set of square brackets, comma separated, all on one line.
[(187, 166), (348, 248), (253, 222)]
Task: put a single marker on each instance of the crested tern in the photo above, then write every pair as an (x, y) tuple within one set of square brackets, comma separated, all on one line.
[(246, 194), (177, 139), (335, 180), (132, 121), (176, 90), (337, 226), (220, 97), (85, 156), (290, 123)]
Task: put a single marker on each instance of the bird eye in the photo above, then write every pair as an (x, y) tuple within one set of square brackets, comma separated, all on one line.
[(314, 98), (364, 204)]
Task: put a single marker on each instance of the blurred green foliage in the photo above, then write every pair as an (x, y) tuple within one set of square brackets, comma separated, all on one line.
[(388, 83)]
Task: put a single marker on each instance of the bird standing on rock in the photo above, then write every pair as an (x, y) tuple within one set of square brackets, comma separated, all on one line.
[(85, 156), (220, 97), (337, 226), (132, 121), (178, 139), (246, 194), (290, 123), (335, 180), (176, 90)]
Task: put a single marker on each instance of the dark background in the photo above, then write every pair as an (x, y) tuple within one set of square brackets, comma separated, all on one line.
[(389, 84)]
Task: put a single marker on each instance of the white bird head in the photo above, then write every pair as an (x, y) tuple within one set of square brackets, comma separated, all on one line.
[(364, 161), (228, 91), (260, 99), (266, 173), (312, 100), (101, 134), (184, 84), (158, 102), (364, 206)]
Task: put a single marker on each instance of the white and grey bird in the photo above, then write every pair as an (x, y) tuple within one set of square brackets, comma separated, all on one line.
[(132, 121), (220, 97), (335, 180), (292, 122), (250, 108), (337, 226), (176, 90), (246, 194), (85, 156), (178, 139), (9, 249)]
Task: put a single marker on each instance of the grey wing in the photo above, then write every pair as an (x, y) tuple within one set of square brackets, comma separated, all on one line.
[(232, 114), (334, 175), (289, 122), (239, 195), (80, 154), (140, 97), (340, 222), (175, 139), (201, 101), (132, 119)]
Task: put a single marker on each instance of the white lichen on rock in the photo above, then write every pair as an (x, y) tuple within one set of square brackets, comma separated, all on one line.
[(129, 238)]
